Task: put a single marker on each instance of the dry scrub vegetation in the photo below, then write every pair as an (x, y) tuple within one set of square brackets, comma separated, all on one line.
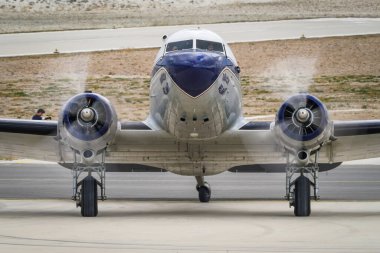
[(344, 72)]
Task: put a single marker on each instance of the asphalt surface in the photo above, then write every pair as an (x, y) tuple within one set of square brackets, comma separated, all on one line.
[(143, 37), (249, 215), (30, 181), (187, 226)]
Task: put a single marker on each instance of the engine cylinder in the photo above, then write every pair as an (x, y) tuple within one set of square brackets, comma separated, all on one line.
[(302, 123), (87, 122)]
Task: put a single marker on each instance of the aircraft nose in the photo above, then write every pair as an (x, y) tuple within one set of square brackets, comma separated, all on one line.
[(194, 72)]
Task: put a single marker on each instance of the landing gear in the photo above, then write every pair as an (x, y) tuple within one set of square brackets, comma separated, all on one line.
[(204, 190), (85, 191), (298, 190)]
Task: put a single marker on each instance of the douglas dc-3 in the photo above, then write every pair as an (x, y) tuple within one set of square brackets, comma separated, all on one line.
[(195, 128)]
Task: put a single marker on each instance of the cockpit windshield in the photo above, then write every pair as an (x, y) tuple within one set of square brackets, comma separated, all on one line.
[(179, 45), (210, 46)]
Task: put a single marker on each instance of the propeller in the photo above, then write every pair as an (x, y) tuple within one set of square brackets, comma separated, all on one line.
[(302, 117), (87, 116)]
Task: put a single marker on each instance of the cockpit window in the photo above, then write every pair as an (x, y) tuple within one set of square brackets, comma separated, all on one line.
[(210, 46), (179, 45)]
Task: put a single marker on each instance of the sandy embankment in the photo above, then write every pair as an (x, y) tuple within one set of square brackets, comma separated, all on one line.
[(344, 72)]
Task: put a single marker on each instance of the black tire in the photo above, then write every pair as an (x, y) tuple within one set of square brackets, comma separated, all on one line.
[(204, 194), (89, 197), (197, 187), (302, 197)]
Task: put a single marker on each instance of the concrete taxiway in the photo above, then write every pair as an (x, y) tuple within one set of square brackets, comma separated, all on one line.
[(188, 226), (143, 37), (159, 212)]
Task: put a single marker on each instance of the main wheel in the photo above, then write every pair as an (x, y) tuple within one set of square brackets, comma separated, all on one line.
[(302, 196), (89, 197), (204, 194)]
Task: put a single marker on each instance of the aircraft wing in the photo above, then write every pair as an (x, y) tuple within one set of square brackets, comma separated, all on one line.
[(37, 139), (34, 139), (355, 140), (138, 144), (252, 144)]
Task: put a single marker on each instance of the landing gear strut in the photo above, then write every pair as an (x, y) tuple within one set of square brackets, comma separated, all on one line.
[(203, 189), (298, 189), (85, 191)]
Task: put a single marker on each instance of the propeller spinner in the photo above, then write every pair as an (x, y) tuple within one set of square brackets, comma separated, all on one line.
[(87, 114)]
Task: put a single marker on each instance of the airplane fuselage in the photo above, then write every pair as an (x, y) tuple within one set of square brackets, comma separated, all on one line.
[(195, 93)]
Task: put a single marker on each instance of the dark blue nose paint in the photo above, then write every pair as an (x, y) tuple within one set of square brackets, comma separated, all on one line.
[(194, 71)]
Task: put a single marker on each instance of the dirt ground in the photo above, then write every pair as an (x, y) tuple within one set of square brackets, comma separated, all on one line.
[(344, 72), (44, 15)]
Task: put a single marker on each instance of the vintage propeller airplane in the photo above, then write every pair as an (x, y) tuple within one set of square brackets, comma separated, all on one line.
[(195, 128)]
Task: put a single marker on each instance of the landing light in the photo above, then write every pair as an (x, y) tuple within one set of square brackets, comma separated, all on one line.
[(193, 135)]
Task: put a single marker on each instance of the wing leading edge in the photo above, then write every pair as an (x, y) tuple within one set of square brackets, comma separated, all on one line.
[(358, 127), (254, 141), (36, 139), (34, 127)]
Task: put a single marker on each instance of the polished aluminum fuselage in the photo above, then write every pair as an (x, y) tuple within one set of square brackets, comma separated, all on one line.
[(205, 116)]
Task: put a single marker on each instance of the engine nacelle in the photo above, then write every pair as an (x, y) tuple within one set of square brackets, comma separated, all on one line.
[(87, 123), (302, 125)]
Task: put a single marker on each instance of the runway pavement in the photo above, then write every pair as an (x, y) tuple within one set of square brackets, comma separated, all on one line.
[(348, 182), (159, 212), (142, 37), (188, 226)]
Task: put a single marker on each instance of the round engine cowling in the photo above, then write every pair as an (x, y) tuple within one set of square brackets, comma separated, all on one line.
[(87, 123), (302, 124)]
